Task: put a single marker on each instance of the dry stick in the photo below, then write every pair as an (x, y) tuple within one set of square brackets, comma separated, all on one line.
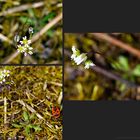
[(22, 8), (4, 38), (30, 109), (113, 76), (55, 83), (59, 100), (5, 110), (10, 58), (118, 43), (33, 111), (36, 36)]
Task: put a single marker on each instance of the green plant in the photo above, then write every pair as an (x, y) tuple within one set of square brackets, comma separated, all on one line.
[(79, 58), (122, 64), (27, 124)]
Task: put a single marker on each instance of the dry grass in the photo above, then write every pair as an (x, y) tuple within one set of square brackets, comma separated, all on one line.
[(28, 103)]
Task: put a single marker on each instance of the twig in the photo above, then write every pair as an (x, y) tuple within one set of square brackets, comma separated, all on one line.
[(46, 28), (34, 111), (10, 58), (4, 38), (30, 109), (113, 76), (118, 43), (22, 8), (5, 110), (59, 100), (55, 83)]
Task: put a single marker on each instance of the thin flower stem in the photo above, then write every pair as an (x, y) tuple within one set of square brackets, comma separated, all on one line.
[(5, 110), (114, 76), (108, 74)]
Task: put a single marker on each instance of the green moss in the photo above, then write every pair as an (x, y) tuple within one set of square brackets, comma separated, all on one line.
[(39, 87)]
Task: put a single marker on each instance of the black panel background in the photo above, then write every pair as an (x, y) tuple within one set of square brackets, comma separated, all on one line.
[(101, 120), (101, 16)]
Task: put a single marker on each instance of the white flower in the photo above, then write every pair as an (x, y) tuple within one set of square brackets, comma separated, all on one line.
[(24, 47), (6, 73), (74, 49), (81, 58), (21, 49), (3, 75), (25, 41), (76, 53), (73, 56), (88, 64)]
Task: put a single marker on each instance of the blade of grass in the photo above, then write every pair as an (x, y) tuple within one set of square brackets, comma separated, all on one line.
[(22, 8)]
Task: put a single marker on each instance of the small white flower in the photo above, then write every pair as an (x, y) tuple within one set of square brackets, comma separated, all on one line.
[(21, 49), (24, 47), (88, 64), (3, 75), (74, 49), (73, 56), (76, 53), (25, 41), (81, 58)]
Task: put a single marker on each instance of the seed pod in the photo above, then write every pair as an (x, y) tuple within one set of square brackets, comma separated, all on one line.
[(30, 30), (16, 38)]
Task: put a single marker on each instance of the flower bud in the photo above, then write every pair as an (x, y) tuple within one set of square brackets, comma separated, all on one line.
[(30, 30)]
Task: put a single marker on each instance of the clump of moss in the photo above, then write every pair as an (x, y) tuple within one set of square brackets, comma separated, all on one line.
[(30, 98)]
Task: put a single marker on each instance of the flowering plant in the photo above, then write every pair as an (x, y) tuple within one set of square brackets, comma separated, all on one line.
[(24, 44), (79, 58), (3, 75)]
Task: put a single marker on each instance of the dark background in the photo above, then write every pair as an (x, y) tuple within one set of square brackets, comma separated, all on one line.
[(101, 16), (101, 120)]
